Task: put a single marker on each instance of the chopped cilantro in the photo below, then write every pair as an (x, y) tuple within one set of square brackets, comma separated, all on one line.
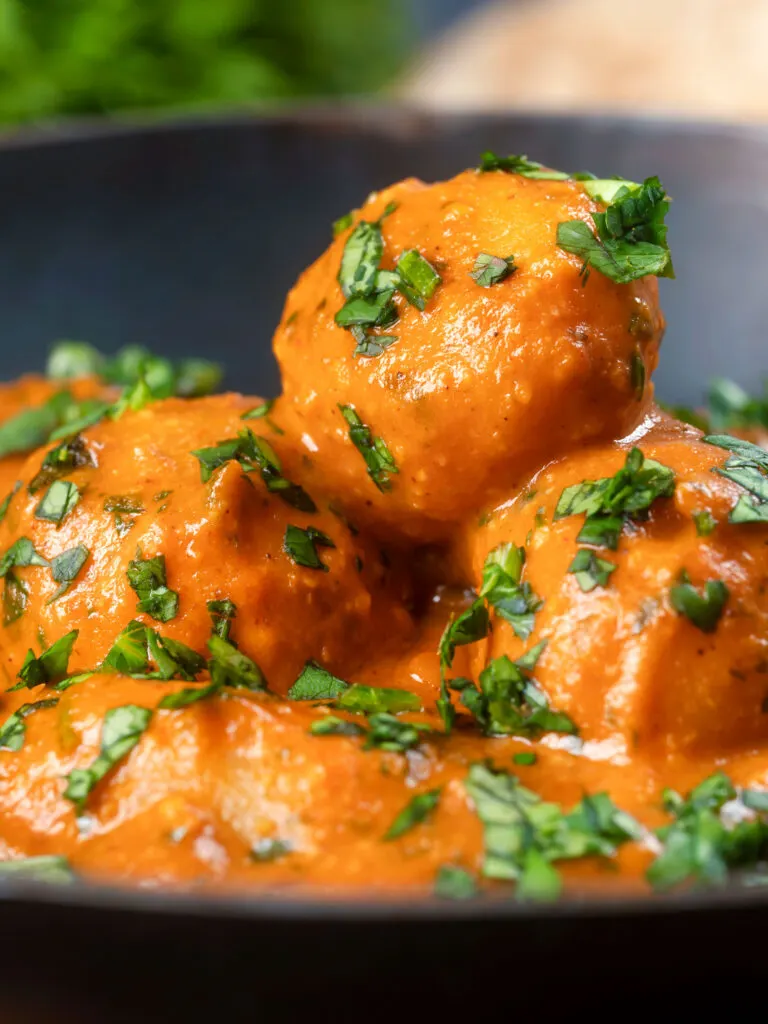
[(223, 614), (747, 466), (147, 578), (128, 655), (705, 523), (524, 757), (189, 695), (523, 835), (374, 450), (698, 846), (490, 269), (332, 725), (230, 667), (637, 374), (49, 869), (454, 883), (630, 237), (123, 728), (301, 546), (316, 683), (703, 610), (386, 732), (14, 728), (417, 810), (20, 554), (343, 223), (590, 570), (60, 461), (514, 601), (52, 665), (262, 412), (521, 165), (15, 598), (66, 567), (124, 508), (5, 504), (58, 501), (369, 700), (418, 278)]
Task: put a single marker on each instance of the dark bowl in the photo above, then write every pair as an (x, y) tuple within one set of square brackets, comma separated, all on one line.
[(185, 237)]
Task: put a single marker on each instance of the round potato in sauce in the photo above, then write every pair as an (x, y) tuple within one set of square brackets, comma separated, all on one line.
[(488, 379), (131, 532), (657, 645)]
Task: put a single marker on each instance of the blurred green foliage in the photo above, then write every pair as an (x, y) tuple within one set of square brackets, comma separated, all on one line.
[(99, 56)]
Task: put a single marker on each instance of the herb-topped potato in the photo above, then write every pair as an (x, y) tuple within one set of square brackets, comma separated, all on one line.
[(448, 340), (161, 526), (638, 576)]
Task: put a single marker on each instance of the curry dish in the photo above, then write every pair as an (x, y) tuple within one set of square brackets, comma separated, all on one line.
[(461, 611)]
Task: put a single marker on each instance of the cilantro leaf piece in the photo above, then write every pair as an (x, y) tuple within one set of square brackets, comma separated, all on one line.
[(590, 570), (147, 578), (467, 628), (223, 614), (65, 684), (521, 165), (509, 703), (611, 501), (361, 258), (52, 665), (269, 849), (58, 501), (69, 360), (5, 504), (230, 667), (370, 346), (13, 730), (698, 846), (65, 568), (128, 655), (254, 453), (174, 660), (122, 729), (705, 523), (60, 461), (514, 601), (747, 467), (703, 610), (301, 546), (374, 450), (19, 555), (189, 695), (523, 835), (332, 725), (340, 225), (368, 311), (370, 700), (418, 278), (454, 883), (316, 683), (50, 869), (490, 269), (262, 411), (32, 427), (125, 508), (630, 237), (386, 732), (637, 374), (15, 598), (525, 757), (417, 810)]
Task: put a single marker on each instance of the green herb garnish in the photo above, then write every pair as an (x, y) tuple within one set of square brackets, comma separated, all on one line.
[(5, 504), (454, 883), (490, 270), (316, 683), (703, 609), (418, 278), (14, 728), (371, 700), (590, 570), (705, 523), (52, 665), (230, 667), (747, 466), (301, 546), (630, 237), (521, 165), (524, 836), (60, 461), (58, 501), (514, 601), (50, 869), (66, 567), (378, 458), (223, 614), (123, 728), (417, 810), (19, 555), (148, 578)]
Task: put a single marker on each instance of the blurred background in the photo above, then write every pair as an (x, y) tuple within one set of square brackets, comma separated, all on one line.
[(699, 58)]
